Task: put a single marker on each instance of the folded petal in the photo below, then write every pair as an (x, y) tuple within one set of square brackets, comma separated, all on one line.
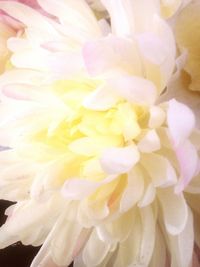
[(159, 169), (134, 89), (175, 210), (181, 122), (119, 160)]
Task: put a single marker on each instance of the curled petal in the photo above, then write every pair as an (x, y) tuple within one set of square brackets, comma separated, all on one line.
[(181, 122), (119, 160)]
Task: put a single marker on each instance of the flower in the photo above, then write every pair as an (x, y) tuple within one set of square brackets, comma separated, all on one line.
[(102, 174)]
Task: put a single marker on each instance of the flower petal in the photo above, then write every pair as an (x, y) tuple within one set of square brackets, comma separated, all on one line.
[(95, 250), (134, 89), (159, 169), (181, 121), (188, 162), (101, 99), (133, 191), (150, 142), (182, 246), (175, 210), (118, 160), (111, 54)]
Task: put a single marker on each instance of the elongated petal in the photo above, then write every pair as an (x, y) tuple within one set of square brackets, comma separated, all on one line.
[(175, 210), (188, 162), (181, 121), (95, 250), (133, 16), (181, 246), (133, 191)]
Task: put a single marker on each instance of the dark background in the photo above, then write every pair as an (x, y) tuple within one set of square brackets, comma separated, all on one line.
[(16, 255)]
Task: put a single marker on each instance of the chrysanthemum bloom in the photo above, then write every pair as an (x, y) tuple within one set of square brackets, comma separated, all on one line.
[(98, 169)]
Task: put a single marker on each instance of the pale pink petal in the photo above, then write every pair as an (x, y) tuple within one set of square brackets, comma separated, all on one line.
[(152, 47), (181, 122), (188, 162), (111, 53)]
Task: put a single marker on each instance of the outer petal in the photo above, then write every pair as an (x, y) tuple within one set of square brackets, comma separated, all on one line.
[(188, 161), (181, 246), (95, 250), (138, 247), (181, 122), (175, 210)]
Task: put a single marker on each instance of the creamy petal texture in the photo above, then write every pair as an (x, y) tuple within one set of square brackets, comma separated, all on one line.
[(100, 153)]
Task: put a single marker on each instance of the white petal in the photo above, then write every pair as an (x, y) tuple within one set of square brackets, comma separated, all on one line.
[(77, 188), (80, 19), (133, 191), (138, 247), (101, 99), (95, 250), (152, 47), (157, 117), (117, 230), (159, 254), (175, 210), (181, 121), (150, 142), (111, 54), (134, 89), (159, 169), (133, 16), (118, 160), (148, 197), (182, 246)]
